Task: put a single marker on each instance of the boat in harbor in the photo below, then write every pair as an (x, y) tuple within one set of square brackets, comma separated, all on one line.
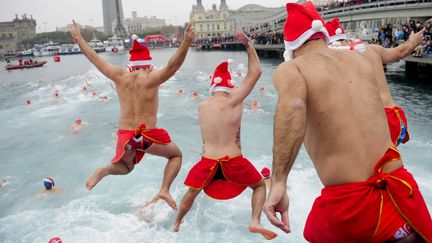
[(97, 45), (47, 49), (33, 65), (114, 42)]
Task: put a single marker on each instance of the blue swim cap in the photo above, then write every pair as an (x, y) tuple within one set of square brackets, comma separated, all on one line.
[(48, 183)]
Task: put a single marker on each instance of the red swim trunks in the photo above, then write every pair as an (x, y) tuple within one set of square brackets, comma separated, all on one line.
[(223, 178), (139, 140), (387, 206), (398, 125)]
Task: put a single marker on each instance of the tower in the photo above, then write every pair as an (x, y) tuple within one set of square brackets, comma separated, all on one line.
[(112, 10)]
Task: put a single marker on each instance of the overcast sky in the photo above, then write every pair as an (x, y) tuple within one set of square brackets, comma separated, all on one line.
[(89, 12)]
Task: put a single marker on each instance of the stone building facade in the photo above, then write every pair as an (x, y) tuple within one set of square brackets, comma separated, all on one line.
[(134, 24), (14, 32), (211, 23)]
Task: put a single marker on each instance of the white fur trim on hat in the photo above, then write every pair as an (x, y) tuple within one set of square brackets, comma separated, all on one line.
[(220, 89), (217, 80), (335, 38), (140, 63), (293, 45), (317, 24), (134, 37), (338, 31)]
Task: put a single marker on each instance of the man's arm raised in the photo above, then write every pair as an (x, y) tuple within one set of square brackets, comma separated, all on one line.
[(289, 131), (389, 55), (109, 70), (254, 70), (175, 62)]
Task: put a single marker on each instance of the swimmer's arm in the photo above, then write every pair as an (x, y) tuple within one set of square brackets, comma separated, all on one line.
[(254, 72), (389, 55), (109, 70), (175, 62), (289, 121)]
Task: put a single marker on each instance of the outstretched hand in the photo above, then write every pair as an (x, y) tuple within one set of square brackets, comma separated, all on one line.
[(416, 38), (242, 37), (189, 34), (278, 202), (74, 31)]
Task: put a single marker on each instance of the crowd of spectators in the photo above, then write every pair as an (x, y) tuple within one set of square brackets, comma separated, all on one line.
[(391, 36), (348, 3)]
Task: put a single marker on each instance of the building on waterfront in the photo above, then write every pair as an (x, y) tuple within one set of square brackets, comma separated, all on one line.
[(255, 18), (211, 23), (14, 32), (112, 11), (134, 24)]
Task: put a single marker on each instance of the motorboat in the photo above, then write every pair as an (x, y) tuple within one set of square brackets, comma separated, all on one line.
[(114, 42), (33, 65)]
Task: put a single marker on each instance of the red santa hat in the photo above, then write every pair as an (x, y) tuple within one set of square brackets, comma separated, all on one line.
[(139, 55), (335, 30), (221, 80), (303, 23), (265, 172)]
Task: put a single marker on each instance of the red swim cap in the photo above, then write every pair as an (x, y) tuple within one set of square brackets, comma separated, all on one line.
[(265, 172), (78, 121)]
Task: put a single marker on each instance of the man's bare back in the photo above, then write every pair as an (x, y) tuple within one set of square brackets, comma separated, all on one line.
[(345, 116), (220, 126), (139, 99)]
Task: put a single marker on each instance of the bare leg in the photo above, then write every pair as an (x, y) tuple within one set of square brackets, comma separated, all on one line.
[(123, 167), (185, 205), (172, 168), (258, 198)]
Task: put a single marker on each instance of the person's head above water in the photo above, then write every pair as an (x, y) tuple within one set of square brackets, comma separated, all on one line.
[(303, 24), (221, 81), (49, 183), (78, 121), (139, 56)]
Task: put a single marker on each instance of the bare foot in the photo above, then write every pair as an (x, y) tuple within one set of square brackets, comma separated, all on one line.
[(166, 196), (97, 175), (176, 226), (268, 234)]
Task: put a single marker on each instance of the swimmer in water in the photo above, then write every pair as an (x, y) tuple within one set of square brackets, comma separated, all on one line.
[(262, 90), (2, 182), (195, 95), (181, 92), (254, 105), (76, 127), (50, 186), (28, 102)]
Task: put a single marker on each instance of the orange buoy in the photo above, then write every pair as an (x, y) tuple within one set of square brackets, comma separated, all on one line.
[(56, 58)]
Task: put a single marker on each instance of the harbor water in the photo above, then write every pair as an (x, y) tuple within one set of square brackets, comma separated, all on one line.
[(35, 143)]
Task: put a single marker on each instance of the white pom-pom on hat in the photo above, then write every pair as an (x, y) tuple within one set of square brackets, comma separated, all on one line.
[(360, 48), (217, 80), (230, 61), (134, 37), (338, 31), (317, 25), (288, 55)]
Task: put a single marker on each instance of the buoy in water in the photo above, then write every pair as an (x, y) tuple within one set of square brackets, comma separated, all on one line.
[(56, 58), (55, 240), (115, 49)]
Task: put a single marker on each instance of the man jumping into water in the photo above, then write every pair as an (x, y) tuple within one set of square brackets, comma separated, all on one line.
[(223, 172), (338, 114), (378, 55), (137, 89)]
